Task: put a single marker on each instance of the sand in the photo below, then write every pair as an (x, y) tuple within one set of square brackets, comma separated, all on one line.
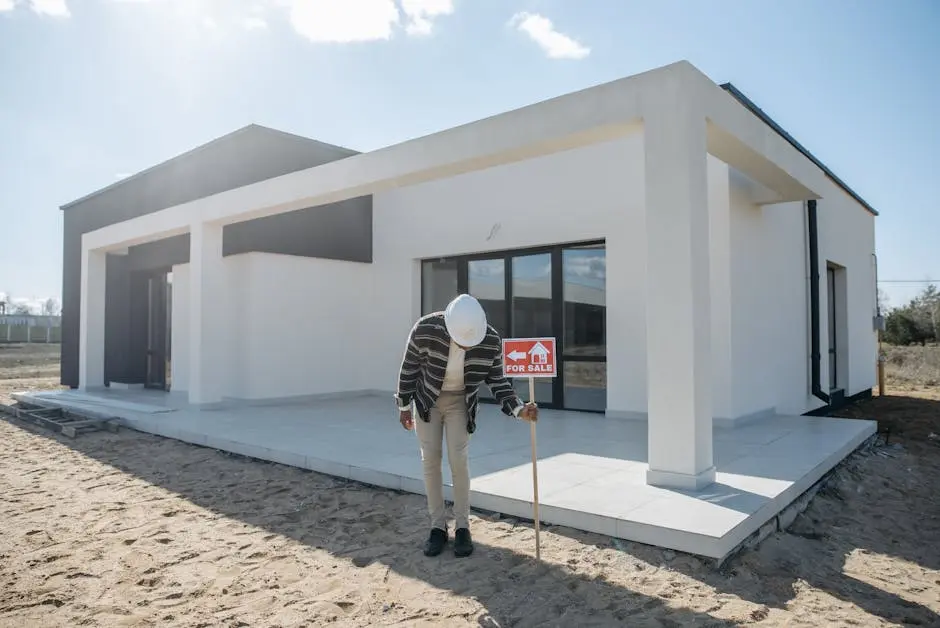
[(130, 529)]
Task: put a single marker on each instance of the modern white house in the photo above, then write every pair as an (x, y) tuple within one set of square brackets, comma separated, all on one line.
[(699, 268)]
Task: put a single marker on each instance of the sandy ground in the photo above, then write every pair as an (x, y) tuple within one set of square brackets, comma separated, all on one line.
[(130, 529)]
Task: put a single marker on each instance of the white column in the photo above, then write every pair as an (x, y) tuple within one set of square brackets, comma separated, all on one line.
[(678, 308), (205, 314), (91, 320)]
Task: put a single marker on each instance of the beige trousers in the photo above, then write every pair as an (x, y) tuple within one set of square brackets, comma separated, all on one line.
[(448, 419)]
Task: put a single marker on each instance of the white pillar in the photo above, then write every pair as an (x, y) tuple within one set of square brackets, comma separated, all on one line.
[(91, 320), (678, 308), (205, 314)]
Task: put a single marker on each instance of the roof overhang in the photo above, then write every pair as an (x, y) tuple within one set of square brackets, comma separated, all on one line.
[(592, 115)]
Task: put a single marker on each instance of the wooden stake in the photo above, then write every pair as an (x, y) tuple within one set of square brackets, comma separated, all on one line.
[(535, 477), (881, 368)]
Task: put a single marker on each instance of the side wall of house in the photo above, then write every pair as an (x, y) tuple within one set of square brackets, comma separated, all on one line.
[(771, 300)]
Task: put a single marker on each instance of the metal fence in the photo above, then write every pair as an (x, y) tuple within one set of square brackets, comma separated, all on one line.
[(30, 333)]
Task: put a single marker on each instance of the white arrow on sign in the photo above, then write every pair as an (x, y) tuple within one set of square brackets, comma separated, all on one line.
[(515, 356)]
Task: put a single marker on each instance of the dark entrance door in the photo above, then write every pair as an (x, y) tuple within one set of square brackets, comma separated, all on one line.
[(833, 346), (158, 331)]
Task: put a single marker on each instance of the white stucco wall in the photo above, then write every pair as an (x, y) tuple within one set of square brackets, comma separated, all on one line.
[(235, 293), (179, 335), (304, 327), (847, 238), (292, 326)]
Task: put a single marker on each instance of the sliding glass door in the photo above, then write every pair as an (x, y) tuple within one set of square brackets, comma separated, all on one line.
[(532, 313), (584, 345), (557, 291)]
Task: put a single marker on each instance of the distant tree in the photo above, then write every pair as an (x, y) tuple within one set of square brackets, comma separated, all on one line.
[(51, 307), (918, 322)]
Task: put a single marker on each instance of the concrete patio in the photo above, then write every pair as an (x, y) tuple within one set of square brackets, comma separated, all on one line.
[(592, 469)]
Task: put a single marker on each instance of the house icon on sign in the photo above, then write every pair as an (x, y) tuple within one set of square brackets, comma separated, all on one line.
[(539, 354)]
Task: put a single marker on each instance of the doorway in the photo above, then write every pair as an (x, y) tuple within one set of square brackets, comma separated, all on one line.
[(837, 325), (159, 326)]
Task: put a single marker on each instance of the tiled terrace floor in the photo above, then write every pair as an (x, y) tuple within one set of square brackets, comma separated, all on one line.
[(591, 469)]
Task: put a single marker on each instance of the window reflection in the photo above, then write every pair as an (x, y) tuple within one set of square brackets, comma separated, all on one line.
[(486, 280), (584, 273), (585, 385), (438, 285), (532, 312)]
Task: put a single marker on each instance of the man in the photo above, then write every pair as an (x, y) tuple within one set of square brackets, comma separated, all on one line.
[(449, 355)]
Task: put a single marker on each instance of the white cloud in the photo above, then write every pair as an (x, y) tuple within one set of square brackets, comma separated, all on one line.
[(421, 14), (53, 8), (7, 5), (325, 21), (555, 44), (254, 23), (329, 21), (591, 266), (122, 175)]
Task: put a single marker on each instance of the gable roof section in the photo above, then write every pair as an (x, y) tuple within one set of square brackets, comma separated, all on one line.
[(250, 154), (766, 119)]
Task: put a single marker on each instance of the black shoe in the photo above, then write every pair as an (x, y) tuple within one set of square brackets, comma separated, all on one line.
[(463, 544), (436, 542)]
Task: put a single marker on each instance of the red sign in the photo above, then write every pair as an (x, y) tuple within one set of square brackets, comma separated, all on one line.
[(529, 357)]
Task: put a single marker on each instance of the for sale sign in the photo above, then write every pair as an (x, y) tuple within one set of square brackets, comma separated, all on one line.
[(529, 357)]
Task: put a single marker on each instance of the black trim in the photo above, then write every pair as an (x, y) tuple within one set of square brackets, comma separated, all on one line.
[(766, 119), (840, 401), (815, 355), (558, 322)]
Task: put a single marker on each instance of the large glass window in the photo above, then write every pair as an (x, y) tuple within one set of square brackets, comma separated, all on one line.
[(438, 284), (557, 291), (532, 312), (584, 283), (486, 280), (585, 277)]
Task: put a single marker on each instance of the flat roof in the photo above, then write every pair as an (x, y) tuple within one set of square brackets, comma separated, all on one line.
[(766, 119)]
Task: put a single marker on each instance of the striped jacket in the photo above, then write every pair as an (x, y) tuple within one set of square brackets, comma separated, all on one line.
[(425, 363)]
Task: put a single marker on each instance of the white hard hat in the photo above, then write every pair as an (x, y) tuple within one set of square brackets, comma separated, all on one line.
[(465, 321)]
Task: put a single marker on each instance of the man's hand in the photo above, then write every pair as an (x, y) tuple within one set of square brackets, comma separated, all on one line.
[(529, 412), (406, 419)]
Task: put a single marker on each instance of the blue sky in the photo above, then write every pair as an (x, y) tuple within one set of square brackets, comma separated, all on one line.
[(96, 89)]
